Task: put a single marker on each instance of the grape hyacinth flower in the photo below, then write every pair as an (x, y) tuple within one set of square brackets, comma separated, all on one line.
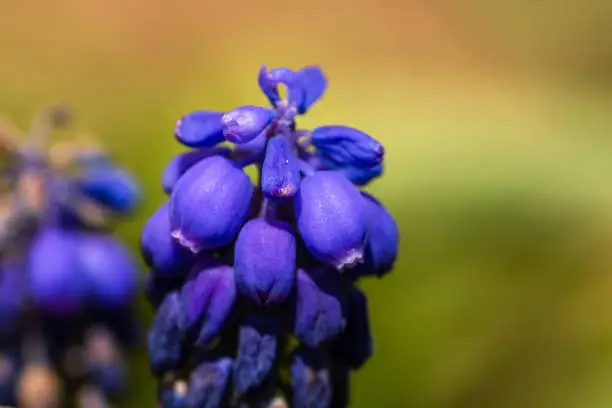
[(71, 284), (240, 270)]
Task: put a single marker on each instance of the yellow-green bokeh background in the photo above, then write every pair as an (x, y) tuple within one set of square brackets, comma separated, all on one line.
[(497, 118)]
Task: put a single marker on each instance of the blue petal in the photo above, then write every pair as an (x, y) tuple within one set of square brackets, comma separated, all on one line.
[(160, 251), (320, 306), (314, 83), (280, 173), (208, 384), (332, 219), (310, 380), (347, 146), (208, 297), (166, 337), (257, 350), (265, 254), (243, 124), (383, 240), (182, 162), (209, 204), (269, 81), (199, 129)]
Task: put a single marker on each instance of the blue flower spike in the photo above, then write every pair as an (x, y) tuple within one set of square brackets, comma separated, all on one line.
[(241, 269)]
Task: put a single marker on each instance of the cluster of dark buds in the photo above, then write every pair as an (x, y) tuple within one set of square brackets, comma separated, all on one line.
[(254, 286), (66, 286)]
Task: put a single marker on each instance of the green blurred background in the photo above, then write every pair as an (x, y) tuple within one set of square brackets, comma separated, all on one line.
[(496, 115)]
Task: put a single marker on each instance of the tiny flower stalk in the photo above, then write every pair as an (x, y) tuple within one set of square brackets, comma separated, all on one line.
[(62, 271), (240, 271)]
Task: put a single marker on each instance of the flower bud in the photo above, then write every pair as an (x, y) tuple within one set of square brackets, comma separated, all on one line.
[(108, 269), (383, 239), (209, 204), (347, 146), (166, 337), (320, 306), (199, 129), (331, 218), (269, 81), (358, 175), (208, 297), (160, 251), (245, 123), (208, 384), (264, 260), (314, 83), (257, 349), (310, 380), (182, 162), (280, 173)]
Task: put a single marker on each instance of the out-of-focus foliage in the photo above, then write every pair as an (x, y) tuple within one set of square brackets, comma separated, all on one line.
[(496, 119)]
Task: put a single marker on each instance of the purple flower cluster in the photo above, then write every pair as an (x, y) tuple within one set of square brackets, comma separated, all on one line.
[(254, 286), (68, 286)]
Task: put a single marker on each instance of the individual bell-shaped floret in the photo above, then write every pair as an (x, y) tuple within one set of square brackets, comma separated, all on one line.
[(208, 384), (182, 162), (160, 250), (320, 306), (209, 204), (354, 347), (109, 271), (167, 336), (347, 146), (310, 379), (383, 239), (314, 83), (111, 187), (56, 285), (200, 129), (280, 173), (245, 123), (264, 260), (257, 348), (332, 219), (208, 296)]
